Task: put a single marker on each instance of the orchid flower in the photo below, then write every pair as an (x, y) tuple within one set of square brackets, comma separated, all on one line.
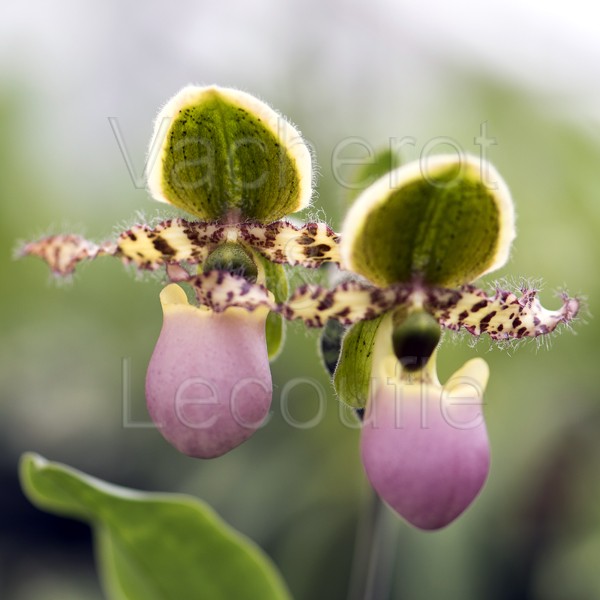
[(418, 238), (238, 168), (414, 242)]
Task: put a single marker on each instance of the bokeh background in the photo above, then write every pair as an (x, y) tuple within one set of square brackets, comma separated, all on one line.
[(71, 354)]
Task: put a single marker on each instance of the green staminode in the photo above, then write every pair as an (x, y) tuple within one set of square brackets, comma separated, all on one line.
[(231, 257), (228, 156), (414, 338)]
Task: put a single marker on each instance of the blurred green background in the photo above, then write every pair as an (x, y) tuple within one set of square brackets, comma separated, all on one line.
[(72, 356)]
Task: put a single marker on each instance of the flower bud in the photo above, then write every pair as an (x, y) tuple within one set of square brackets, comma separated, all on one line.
[(208, 385), (425, 448)]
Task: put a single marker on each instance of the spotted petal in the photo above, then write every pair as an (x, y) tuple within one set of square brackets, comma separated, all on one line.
[(219, 291), (348, 302), (442, 221), (226, 155), (310, 245), (502, 316), (178, 240), (62, 253), (172, 241)]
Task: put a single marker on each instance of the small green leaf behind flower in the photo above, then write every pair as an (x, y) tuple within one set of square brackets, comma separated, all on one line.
[(154, 546), (352, 377), (277, 282), (367, 173)]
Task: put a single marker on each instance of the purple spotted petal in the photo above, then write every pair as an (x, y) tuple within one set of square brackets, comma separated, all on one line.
[(425, 450), (208, 385)]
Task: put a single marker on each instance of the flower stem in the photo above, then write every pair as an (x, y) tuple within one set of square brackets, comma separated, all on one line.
[(374, 553)]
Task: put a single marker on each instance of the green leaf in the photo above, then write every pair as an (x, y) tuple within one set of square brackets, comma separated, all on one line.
[(277, 283), (275, 333), (443, 221), (154, 546), (226, 155), (383, 162), (352, 377)]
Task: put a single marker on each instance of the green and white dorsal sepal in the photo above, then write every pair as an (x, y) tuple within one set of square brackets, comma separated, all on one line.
[(227, 156), (444, 220)]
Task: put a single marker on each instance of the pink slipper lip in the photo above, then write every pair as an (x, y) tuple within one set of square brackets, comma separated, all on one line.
[(208, 384), (425, 448)]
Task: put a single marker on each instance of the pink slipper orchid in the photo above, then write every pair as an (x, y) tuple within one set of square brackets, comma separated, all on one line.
[(417, 238), (238, 167)]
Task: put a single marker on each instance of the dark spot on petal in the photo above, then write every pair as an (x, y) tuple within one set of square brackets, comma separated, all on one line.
[(305, 240), (316, 251), (488, 317), (479, 306), (163, 247)]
